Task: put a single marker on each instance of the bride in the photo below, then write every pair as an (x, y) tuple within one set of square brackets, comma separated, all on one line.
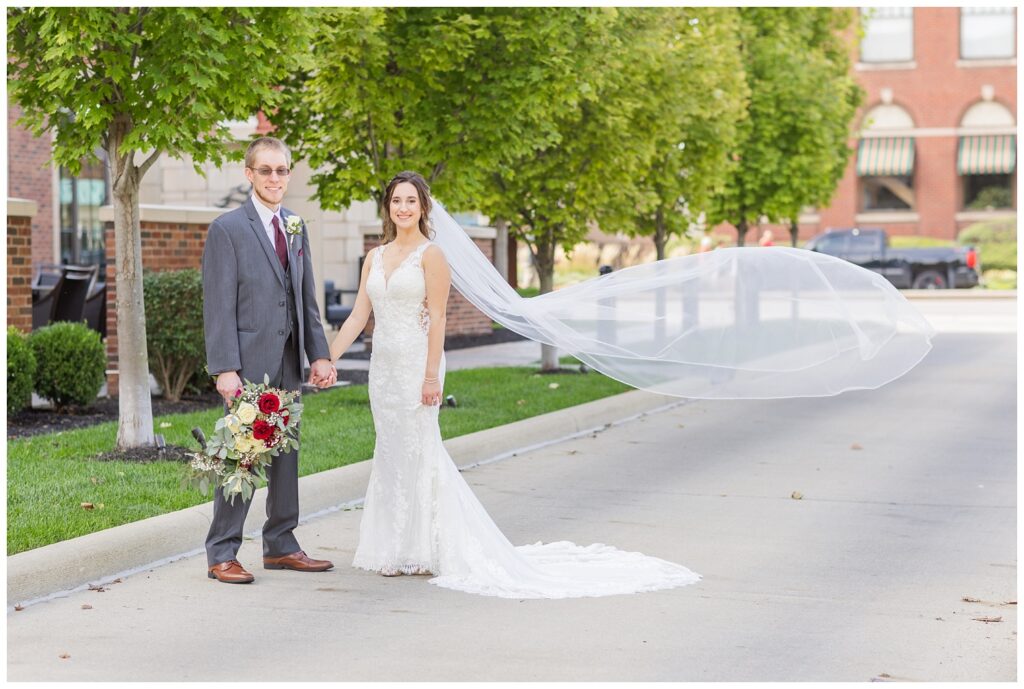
[(419, 515)]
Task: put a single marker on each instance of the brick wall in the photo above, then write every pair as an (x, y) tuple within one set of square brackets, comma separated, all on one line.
[(19, 265), (462, 318), (165, 246), (30, 176)]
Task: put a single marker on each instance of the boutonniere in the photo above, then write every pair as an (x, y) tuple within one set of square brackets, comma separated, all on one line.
[(293, 226)]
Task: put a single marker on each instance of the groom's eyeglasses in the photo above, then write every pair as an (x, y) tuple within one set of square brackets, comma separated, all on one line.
[(267, 171)]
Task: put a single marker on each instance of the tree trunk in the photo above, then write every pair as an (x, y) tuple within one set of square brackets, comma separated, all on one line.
[(741, 232), (135, 421), (545, 258), (660, 238), (794, 230)]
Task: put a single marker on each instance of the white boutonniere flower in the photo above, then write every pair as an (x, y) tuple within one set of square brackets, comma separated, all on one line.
[(292, 226)]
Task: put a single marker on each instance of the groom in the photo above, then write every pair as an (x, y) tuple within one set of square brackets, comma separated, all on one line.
[(259, 316)]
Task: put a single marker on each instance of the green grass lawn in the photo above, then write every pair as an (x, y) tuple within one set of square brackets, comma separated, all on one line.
[(50, 476)]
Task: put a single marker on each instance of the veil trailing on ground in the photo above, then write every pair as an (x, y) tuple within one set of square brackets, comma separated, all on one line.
[(742, 323)]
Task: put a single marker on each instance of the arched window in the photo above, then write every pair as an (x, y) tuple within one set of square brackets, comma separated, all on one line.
[(885, 160), (987, 157)]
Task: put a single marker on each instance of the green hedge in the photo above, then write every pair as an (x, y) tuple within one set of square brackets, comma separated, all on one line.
[(70, 361), (996, 241), (21, 370), (174, 329)]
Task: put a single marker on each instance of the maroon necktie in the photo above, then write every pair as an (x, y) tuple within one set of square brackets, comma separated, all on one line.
[(279, 243)]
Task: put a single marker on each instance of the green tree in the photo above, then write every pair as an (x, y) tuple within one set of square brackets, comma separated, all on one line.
[(136, 83), (552, 196), (794, 143), (694, 97), (448, 92)]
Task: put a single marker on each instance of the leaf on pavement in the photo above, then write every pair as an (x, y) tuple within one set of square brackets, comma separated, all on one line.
[(86, 606), (796, 495), (18, 608), (97, 588), (856, 446), (987, 619), (64, 656), (968, 599)]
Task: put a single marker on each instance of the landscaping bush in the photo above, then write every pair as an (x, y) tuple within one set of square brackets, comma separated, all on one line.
[(996, 241), (174, 329), (21, 371), (70, 364)]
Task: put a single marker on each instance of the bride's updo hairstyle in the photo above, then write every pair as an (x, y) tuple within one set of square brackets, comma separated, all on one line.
[(422, 190)]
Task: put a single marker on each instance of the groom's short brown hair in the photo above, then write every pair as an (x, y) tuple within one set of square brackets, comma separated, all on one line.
[(266, 142)]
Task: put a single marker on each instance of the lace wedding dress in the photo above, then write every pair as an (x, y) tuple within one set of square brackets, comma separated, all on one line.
[(421, 517)]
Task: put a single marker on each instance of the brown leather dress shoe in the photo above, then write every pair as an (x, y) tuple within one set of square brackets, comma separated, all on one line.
[(230, 572), (297, 561)]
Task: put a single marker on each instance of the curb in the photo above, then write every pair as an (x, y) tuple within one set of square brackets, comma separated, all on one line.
[(100, 557), (958, 294)]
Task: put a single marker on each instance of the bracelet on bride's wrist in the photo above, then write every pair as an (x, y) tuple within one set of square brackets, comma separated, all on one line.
[(431, 380)]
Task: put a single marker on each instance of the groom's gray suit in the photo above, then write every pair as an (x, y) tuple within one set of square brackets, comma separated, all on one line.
[(258, 319)]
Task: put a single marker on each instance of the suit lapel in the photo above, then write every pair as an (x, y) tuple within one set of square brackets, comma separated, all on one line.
[(261, 235)]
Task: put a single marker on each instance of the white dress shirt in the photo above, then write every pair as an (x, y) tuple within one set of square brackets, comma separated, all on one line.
[(266, 215)]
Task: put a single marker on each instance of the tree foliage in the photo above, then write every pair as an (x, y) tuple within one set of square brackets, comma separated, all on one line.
[(449, 92), (794, 143)]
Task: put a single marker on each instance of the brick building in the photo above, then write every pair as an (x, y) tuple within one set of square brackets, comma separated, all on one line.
[(936, 149)]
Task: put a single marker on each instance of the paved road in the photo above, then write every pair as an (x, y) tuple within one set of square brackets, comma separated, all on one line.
[(862, 577)]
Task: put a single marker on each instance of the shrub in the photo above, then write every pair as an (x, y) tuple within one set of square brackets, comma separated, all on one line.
[(70, 364), (996, 241), (174, 328), (21, 371)]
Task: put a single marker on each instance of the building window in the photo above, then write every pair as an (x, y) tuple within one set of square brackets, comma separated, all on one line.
[(894, 193), (988, 192), (885, 166), (987, 32), (986, 165), (888, 34), (81, 231)]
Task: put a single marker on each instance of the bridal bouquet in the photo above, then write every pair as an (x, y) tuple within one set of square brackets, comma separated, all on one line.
[(261, 423)]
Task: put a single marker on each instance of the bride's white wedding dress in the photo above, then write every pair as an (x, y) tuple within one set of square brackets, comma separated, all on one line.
[(421, 517)]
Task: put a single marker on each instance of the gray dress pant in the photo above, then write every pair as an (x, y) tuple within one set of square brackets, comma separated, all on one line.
[(225, 535)]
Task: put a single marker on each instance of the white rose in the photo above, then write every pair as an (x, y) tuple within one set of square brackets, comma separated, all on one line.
[(233, 423), (246, 412)]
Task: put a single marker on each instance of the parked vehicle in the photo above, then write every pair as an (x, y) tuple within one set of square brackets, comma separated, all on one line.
[(928, 268)]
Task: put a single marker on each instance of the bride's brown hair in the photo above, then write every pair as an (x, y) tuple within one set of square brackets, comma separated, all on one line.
[(422, 190)]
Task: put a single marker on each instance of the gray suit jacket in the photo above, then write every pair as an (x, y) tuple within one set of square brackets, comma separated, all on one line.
[(245, 317)]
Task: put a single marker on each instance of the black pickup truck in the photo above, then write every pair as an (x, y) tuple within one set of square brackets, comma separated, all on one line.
[(929, 268)]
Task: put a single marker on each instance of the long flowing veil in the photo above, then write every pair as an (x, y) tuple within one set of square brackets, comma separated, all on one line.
[(740, 323)]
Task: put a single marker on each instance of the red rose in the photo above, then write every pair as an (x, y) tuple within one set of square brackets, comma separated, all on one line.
[(285, 416), (261, 430), (269, 403), (269, 442)]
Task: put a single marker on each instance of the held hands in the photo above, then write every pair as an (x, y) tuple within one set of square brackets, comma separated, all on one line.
[(322, 373), (228, 383), (431, 394)]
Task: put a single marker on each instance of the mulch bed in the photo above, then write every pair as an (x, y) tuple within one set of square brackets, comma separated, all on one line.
[(39, 421)]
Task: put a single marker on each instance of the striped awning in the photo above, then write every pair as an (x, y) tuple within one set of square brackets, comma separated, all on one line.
[(987, 155), (885, 156)]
